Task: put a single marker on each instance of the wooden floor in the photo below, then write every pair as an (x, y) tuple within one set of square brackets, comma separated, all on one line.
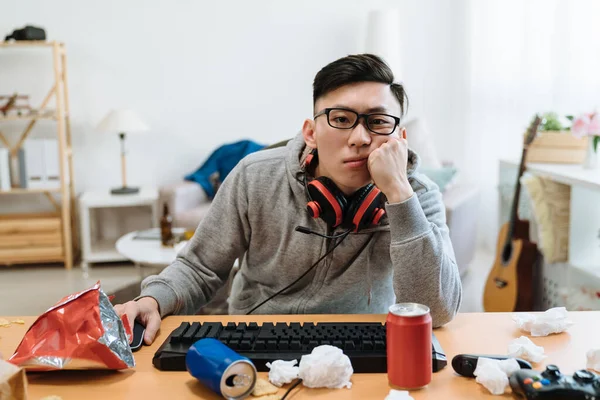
[(32, 290)]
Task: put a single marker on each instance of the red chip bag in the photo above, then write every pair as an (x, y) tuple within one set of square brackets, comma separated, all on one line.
[(82, 331)]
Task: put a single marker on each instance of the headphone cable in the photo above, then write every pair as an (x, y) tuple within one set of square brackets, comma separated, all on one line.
[(344, 235)]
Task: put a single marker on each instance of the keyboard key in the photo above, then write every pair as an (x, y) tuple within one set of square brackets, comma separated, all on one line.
[(284, 345), (234, 344), (295, 326), (349, 345), (271, 345), (367, 345), (204, 330), (188, 336), (295, 345), (215, 329), (253, 326), (225, 335), (267, 326), (379, 345), (260, 344), (230, 326), (338, 343), (245, 345), (177, 334), (241, 327), (281, 326)]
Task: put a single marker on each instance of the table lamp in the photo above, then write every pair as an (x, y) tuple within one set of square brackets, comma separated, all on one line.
[(383, 37), (122, 122)]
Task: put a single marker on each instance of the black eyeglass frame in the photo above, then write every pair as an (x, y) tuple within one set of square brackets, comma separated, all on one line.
[(326, 111)]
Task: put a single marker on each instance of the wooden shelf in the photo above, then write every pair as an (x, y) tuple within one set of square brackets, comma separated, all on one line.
[(27, 191), (569, 174), (50, 114), (35, 244), (28, 44)]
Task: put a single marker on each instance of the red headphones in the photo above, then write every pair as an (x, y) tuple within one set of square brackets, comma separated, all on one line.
[(326, 201)]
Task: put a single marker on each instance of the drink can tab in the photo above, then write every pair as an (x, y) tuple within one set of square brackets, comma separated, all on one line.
[(409, 309)]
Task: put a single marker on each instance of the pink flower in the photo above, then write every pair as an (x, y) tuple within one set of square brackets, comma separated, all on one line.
[(580, 126), (594, 126)]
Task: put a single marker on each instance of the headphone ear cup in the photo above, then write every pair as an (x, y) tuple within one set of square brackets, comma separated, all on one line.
[(364, 208), (327, 201)]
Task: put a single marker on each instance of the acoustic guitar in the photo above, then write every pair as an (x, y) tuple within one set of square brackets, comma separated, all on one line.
[(510, 283)]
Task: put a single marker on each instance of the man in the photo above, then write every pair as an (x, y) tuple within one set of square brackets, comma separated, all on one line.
[(379, 248)]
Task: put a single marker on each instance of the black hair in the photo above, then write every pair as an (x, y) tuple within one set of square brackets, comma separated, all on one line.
[(357, 68)]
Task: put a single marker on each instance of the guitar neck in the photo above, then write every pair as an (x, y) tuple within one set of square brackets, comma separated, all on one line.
[(514, 212)]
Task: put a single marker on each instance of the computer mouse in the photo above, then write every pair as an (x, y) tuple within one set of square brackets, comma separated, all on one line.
[(138, 336)]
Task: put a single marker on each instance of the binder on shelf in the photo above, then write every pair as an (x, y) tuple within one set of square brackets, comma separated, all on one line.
[(5, 185), (18, 170), (42, 168)]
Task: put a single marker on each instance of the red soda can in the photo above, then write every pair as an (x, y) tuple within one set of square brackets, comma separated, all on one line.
[(408, 342)]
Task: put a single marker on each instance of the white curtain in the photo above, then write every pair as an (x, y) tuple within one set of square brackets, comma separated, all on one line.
[(524, 57)]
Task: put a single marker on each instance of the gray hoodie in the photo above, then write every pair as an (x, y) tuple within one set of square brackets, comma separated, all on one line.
[(408, 257)]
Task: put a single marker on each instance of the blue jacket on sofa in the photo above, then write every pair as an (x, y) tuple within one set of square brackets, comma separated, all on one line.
[(221, 162)]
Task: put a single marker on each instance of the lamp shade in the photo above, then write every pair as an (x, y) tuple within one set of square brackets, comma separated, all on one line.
[(383, 37), (117, 121)]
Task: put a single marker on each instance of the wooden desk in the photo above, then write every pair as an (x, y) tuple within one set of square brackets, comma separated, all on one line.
[(479, 333)]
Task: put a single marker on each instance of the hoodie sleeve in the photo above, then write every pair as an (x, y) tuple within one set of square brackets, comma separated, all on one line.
[(424, 264), (204, 264)]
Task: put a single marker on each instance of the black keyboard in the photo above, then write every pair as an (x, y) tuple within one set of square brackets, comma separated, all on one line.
[(362, 342)]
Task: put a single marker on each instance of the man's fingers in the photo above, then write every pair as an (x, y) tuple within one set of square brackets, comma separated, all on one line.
[(152, 326), (119, 309), (131, 314)]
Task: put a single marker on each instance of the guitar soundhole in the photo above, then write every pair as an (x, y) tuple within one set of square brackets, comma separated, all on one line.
[(507, 253)]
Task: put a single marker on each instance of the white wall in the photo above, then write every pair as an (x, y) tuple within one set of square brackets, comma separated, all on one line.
[(205, 73)]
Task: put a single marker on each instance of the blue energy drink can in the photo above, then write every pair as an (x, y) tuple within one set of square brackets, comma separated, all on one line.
[(221, 369)]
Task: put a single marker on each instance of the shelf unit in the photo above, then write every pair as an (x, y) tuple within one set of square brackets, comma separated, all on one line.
[(574, 283), (47, 237)]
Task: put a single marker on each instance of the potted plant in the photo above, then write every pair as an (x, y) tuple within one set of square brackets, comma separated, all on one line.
[(588, 125)]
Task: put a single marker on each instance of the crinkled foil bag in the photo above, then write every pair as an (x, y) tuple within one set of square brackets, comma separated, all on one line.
[(13, 382), (81, 331)]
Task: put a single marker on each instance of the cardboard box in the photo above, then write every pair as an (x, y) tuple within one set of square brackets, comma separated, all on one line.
[(557, 147)]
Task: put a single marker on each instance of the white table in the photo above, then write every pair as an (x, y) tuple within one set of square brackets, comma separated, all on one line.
[(127, 213), (148, 252)]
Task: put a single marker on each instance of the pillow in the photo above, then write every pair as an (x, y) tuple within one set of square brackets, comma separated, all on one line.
[(550, 204), (421, 142), (441, 176)]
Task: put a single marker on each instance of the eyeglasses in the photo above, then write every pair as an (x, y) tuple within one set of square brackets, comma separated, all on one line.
[(342, 118)]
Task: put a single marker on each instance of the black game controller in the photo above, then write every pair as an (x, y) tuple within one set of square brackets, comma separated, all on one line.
[(465, 364), (551, 384)]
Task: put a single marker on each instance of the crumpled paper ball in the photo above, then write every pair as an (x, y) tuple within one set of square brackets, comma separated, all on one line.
[(282, 372), (524, 348), (398, 395), (593, 359), (327, 366), (554, 320), (494, 374)]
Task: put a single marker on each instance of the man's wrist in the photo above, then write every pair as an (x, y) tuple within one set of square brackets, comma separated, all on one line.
[(399, 193)]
